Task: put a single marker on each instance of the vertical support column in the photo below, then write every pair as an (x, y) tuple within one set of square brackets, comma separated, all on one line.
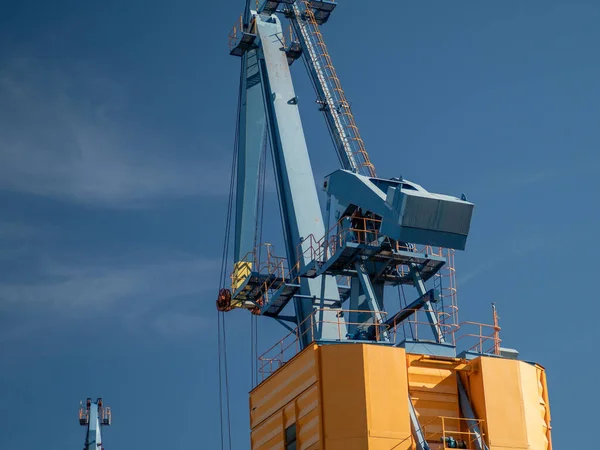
[(251, 130), (299, 202), (416, 426), (467, 412), (367, 288), (93, 438), (431, 316)]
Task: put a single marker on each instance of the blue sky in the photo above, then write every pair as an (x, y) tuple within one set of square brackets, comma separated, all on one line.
[(116, 132)]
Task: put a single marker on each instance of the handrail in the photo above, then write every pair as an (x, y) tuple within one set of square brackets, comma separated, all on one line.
[(279, 353), (481, 338), (443, 428)]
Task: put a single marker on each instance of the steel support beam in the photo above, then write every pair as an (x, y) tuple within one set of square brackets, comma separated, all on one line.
[(371, 298), (251, 132), (416, 427), (299, 203), (428, 307), (467, 412)]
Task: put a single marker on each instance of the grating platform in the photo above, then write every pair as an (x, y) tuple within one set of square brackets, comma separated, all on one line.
[(293, 52), (256, 285), (279, 299), (245, 43), (252, 288), (342, 263), (270, 6), (322, 10)]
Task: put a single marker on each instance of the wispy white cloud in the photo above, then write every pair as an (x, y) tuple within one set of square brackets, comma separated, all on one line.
[(137, 291), (63, 134), (77, 287)]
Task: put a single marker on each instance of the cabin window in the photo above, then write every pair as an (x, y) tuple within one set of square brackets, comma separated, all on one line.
[(290, 437)]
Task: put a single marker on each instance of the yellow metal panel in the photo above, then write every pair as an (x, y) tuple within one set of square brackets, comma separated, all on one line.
[(241, 271), (308, 415), (269, 433), (498, 383), (543, 390), (343, 397), (434, 392), (282, 387), (386, 398), (535, 407)]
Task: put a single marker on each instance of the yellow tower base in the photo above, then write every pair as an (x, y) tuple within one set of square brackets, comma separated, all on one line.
[(356, 397)]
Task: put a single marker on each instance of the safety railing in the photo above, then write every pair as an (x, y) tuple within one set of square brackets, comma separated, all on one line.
[(478, 337), (453, 432), (365, 230), (287, 347), (359, 230), (375, 329), (354, 229), (418, 326), (83, 416), (106, 416), (235, 33), (261, 260), (469, 336)]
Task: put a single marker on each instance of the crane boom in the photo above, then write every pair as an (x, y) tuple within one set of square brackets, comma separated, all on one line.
[(94, 416), (330, 95)]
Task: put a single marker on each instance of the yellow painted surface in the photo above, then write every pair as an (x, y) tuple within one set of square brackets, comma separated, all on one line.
[(506, 394), (434, 393), (343, 385), (241, 271), (355, 397), (386, 386), (535, 407), (291, 395), (341, 397)]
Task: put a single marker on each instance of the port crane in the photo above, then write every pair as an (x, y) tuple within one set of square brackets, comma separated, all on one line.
[(94, 415), (354, 372)]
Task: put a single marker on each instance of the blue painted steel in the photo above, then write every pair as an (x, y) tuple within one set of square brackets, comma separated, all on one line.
[(299, 203), (246, 16), (467, 411), (270, 6), (279, 299), (334, 108), (252, 128), (416, 427), (94, 437), (428, 348), (322, 9), (371, 300), (409, 214), (431, 296), (93, 418), (429, 311)]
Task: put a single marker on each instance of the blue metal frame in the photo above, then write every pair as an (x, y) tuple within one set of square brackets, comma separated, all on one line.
[(92, 417), (407, 212), (297, 193), (252, 127)]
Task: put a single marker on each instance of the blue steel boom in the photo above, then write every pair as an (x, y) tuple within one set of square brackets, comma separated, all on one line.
[(94, 416)]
